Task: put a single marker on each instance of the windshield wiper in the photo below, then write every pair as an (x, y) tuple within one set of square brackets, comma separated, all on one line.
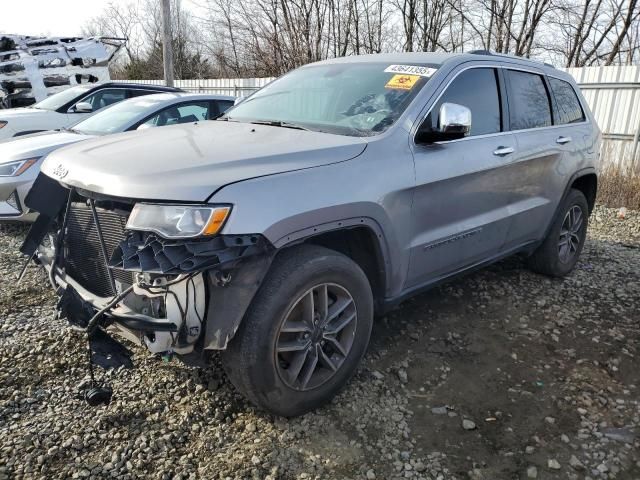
[(278, 123)]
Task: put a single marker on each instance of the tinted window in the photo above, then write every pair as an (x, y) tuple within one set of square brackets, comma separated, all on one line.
[(476, 89), (185, 113), (58, 100), (224, 105), (569, 108), (141, 93), (106, 97), (528, 101)]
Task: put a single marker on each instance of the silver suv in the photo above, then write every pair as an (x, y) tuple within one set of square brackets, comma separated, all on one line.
[(275, 233)]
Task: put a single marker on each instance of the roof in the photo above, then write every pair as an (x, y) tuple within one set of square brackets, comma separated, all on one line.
[(436, 59)]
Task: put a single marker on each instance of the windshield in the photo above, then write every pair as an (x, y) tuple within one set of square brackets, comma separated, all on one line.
[(57, 100), (357, 99), (116, 118)]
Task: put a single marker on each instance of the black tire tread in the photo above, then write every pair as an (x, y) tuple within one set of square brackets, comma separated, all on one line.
[(241, 355), (545, 259)]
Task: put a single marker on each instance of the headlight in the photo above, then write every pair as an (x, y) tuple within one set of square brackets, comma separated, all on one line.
[(3, 123), (178, 221), (13, 169)]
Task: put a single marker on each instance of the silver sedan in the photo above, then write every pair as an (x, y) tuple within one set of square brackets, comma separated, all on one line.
[(20, 158)]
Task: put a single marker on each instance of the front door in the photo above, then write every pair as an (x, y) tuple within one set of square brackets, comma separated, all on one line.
[(463, 187)]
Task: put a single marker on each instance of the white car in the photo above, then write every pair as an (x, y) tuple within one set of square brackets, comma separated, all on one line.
[(70, 106), (20, 158)]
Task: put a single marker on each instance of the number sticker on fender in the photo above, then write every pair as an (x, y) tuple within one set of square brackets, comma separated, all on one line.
[(411, 70)]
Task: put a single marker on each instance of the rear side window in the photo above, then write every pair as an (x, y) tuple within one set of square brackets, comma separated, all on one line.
[(485, 106), (141, 93), (569, 108), (529, 105)]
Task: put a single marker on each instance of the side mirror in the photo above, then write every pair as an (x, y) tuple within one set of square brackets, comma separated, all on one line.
[(83, 107), (454, 122), (144, 126)]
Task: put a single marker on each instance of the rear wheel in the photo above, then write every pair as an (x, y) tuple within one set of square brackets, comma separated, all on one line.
[(305, 332), (560, 251)]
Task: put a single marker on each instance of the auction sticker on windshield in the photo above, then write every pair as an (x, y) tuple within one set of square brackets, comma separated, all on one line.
[(402, 82), (411, 70)]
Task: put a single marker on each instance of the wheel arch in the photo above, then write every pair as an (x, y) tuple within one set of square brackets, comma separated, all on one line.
[(361, 239), (587, 183)]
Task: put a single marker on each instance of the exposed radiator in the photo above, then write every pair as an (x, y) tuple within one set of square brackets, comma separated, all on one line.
[(84, 260)]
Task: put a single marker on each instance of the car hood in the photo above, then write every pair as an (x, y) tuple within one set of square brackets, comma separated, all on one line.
[(36, 145), (190, 162)]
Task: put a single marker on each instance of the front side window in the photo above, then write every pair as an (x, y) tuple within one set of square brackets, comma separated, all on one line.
[(118, 117), (529, 105), (569, 108), (357, 99), (476, 89), (185, 113), (106, 97), (54, 102)]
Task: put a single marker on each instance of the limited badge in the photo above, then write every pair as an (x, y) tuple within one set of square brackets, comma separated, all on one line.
[(411, 70), (402, 82)]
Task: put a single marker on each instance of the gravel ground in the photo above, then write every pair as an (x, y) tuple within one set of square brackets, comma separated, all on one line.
[(502, 374)]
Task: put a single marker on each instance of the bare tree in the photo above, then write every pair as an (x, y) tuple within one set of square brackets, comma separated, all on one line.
[(271, 37)]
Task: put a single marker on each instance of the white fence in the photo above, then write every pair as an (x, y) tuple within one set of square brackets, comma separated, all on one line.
[(237, 87), (613, 94)]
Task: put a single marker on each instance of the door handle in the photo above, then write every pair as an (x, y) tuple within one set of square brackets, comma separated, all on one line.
[(502, 151), (563, 140)]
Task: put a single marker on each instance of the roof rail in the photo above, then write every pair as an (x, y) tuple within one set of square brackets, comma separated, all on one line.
[(489, 52)]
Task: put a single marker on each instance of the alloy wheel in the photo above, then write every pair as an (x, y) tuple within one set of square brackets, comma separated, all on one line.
[(569, 241), (316, 336)]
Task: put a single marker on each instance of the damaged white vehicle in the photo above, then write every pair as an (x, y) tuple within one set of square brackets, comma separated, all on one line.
[(33, 68)]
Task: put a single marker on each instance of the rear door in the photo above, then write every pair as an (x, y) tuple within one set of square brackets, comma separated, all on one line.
[(463, 187), (543, 155)]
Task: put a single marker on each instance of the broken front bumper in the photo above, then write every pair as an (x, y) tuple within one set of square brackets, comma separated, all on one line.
[(169, 295), (78, 305)]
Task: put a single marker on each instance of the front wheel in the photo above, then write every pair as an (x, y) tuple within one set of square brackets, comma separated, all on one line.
[(305, 332), (559, 252)]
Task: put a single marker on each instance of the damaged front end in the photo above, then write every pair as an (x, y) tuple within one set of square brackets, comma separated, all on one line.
[(171, 295)]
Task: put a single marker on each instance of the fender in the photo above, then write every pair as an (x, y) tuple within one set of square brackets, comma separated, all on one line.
[(228, 303)]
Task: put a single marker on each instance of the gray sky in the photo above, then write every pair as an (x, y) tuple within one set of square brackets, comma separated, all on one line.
[(49, 17), (59, 18)]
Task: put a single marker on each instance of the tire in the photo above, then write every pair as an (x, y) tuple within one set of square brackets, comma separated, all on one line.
[(256, 360), (549, 258)]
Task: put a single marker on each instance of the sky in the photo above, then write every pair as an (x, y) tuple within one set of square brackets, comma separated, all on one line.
[(49, 17), (59, 18)]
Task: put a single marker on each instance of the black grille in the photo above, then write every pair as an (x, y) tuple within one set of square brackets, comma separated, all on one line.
[(83, 256)]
